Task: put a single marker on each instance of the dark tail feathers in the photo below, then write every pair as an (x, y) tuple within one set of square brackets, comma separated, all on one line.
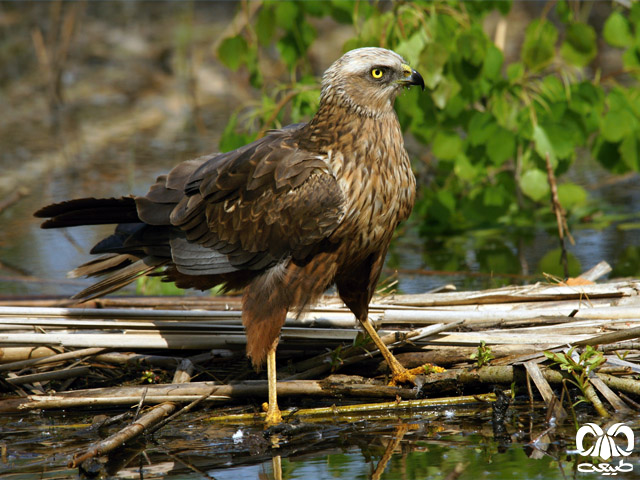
[(89, 211)]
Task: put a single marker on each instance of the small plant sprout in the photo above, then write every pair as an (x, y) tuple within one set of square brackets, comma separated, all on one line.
[(483, 356)]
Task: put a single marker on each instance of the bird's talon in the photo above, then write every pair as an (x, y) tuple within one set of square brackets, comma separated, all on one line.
[(409, 376), (401, 377), (273, 417)]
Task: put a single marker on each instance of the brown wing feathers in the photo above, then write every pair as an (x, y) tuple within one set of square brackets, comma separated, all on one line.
[(213, 217)]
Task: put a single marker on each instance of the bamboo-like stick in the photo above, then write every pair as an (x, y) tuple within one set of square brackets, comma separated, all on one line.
[(15, 354), (182, 411), (615, 401), (386, 407), (549, 397), (47, 376), (620, 336), (597, 271), (529, 293), (592, 396), (48, 402), (332, 386), (119, 358), (626, 385), (86, 352), (183, 372), (152, 417)]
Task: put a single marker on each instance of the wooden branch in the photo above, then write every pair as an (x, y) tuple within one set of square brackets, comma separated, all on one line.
[(545, 390), (152, 417), (613, 399), (561, 220), (86, 352), (47, 376), (367, 408), (605, 338), (183, 372)]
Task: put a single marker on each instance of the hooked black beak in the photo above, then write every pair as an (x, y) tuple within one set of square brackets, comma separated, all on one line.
[(415, 79)]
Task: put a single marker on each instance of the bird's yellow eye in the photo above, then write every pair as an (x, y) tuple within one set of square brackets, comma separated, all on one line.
[(376, 73)]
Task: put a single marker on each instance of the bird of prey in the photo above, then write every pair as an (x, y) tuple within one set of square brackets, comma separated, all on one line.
[(283, 218)]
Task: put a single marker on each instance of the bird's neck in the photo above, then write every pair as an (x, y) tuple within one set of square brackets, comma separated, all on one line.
[(337, 126)]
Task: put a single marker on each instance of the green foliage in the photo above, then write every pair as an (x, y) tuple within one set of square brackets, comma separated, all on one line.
[(588, 361), (487, 124), (155, 286), (483, 355)]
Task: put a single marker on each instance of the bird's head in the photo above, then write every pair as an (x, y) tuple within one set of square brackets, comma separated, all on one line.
[(367, 80)]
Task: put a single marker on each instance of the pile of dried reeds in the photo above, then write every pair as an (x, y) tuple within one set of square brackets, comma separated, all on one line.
[(124, 351)]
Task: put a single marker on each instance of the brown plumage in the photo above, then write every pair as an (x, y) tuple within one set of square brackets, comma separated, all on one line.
[(283, 218)]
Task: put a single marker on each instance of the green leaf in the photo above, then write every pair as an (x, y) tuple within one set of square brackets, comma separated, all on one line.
[(316, 8), (617, 124), (495, 196), (534, 184), (579, 47), (286, 15), (515, 71), (563, 11), (265, 25), (446, 145), (571, 195), (631, 58), (543, 145), (505, 110), (342, 10), (464, 169), (481, 127), (617, 31), (443, 206), (411, 48), (433, 58), (446, 90), (585, 98), (472, 46), (538, 48), (493, 62), (501, 146), (561, 136), (551, 263), (232, 52), (629, 152)]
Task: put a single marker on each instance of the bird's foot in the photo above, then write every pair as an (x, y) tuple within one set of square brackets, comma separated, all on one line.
[(403, 375), (426, 369), (273, 417)]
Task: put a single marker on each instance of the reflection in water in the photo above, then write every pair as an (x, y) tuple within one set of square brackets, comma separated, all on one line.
[(459, 442)]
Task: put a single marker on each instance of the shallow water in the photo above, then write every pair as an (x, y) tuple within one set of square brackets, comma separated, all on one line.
[(420, 444)]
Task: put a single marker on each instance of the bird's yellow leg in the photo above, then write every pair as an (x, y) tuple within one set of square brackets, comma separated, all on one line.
[(399, 374), (273, 412)]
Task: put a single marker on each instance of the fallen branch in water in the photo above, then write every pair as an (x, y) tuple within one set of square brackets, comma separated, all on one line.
[(385, 407), (146, 421)]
